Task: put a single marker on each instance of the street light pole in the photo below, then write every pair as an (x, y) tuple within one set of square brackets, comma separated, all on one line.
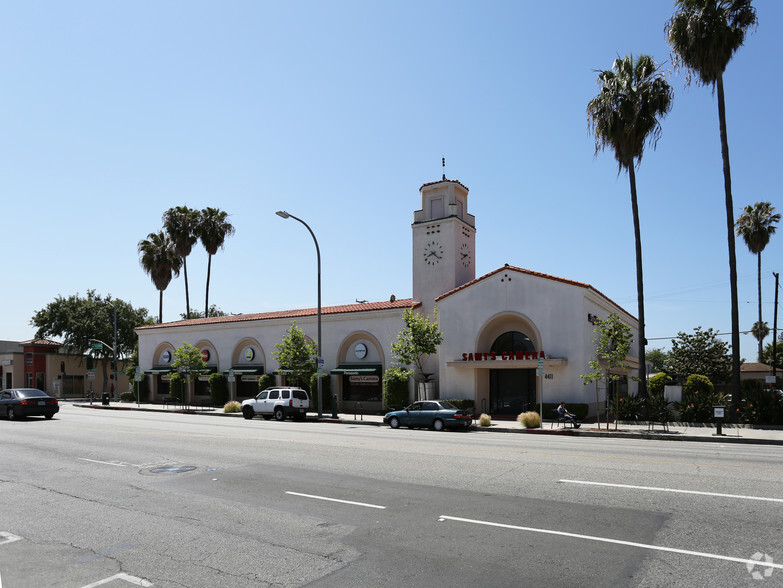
[(284, 214)]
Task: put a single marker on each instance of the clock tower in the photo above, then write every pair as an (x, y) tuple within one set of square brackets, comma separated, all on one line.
[(444, 253)]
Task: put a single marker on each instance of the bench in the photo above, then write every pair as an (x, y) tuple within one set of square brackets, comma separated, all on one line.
[(559, 418), (170, 400)]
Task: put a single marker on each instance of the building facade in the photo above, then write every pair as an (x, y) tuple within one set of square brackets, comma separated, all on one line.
[(511, 338)]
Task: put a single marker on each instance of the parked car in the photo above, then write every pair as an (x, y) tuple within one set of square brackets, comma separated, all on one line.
[(438, 414), (18, 403), (280, 402)]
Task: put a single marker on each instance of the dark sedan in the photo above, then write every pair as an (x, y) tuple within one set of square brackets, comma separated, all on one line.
[(18, 403), (438, 414)]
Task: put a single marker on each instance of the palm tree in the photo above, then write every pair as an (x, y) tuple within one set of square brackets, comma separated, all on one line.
[(624, 117), (755, 225), (180, 223), (160, 261), (704, 35), (213, 230)]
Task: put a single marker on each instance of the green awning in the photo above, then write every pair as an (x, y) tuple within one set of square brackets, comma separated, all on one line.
[(356, 370)]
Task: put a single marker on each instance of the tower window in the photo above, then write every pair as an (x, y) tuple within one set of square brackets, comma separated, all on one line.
[(436, 208)]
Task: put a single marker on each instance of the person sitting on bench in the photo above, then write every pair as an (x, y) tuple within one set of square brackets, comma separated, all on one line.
[(567, 416)]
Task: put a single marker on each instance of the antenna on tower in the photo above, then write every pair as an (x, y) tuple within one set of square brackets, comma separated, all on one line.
[(443, 163)]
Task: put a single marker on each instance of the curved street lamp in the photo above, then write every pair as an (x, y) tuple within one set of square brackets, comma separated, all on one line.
[(284, 214)]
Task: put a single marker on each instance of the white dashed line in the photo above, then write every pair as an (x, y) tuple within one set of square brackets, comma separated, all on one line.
[(655, 489), (336, 500)]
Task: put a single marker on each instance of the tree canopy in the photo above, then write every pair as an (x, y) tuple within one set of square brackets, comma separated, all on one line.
[(700, 353), (420, 337), (296, 355)]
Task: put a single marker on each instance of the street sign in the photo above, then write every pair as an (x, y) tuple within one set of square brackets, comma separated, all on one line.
[(97, 346), (540, 363), (90, 376), (539, 371)]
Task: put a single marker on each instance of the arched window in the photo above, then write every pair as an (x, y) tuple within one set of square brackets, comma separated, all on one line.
[(511, 342)]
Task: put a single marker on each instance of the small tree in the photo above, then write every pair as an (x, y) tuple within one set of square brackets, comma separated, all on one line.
[(189, 364), (420, 338), (296, 355), (265, 381), (611, 349)]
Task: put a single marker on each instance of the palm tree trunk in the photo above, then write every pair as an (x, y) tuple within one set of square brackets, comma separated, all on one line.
[(735, 338), (160, 312), (761, 349), (637, 232), (187, 292), (206, 300)]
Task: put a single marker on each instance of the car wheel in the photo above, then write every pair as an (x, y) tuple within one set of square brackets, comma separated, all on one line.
[(394, 423), (248, 412), (438, 425), (279, 416), (11, 413), (49, 415)]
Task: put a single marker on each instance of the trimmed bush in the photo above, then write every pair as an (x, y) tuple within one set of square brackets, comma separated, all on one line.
[(698, 398), (232, 406), (395, 387), (530, 420), (760, 405), (218, 388), (657, 383), (176, 386), (484, 420), (462, 403), (265, 381), (326, 392), (127, 397)]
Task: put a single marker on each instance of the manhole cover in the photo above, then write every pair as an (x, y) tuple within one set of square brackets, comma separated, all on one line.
[(172, 469)]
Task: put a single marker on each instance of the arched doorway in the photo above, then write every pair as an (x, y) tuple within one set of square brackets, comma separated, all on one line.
[(512, 391)]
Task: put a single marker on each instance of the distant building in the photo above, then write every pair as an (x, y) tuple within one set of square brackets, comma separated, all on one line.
[(511, 337), (44, 364)]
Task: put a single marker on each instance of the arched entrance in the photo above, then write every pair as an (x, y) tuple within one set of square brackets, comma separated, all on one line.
[(512, 391)]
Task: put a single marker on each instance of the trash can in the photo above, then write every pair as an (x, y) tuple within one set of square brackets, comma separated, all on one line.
[(105, 399)]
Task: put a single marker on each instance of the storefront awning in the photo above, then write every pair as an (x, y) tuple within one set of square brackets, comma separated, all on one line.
[(355, 370)]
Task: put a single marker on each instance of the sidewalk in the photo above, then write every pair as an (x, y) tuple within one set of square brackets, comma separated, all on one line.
[(766, 435)]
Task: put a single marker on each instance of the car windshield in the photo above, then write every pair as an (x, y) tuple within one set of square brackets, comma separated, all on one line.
[(30, 393), (447, 405)]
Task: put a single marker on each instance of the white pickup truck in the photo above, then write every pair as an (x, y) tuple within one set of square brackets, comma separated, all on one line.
[(280, 402)]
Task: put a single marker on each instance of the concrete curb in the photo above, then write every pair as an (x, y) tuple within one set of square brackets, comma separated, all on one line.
[(584, 433)]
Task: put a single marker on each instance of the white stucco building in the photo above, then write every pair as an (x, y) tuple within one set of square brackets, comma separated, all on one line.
[(497, 329)]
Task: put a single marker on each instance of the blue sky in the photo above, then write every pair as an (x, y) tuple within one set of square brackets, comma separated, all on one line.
[(338, 112)]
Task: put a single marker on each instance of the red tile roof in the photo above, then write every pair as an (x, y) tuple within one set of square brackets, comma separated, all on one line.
[(41, 343), (293, 314), (530, 273), (443, 181)]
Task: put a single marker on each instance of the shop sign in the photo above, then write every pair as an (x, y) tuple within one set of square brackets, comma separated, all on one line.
[(363, 380), (504, 356)]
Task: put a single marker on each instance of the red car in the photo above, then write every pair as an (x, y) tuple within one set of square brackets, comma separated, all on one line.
[(18, 403)]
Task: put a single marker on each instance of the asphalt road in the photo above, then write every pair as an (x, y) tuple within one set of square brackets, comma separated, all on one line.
[(122, 498)]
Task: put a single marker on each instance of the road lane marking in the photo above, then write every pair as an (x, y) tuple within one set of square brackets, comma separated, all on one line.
[(615, 542), (675, 490), (8, 538), (122, 465), (121, 576), (336, 500)]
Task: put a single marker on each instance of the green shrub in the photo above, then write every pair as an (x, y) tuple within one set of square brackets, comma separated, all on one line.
[(232, 406), (127, 397), (326, 392), (698, 398), (759, 405), (530, 420), (176, 386), (658, 408), (462, 403), (630, 408), (484, 420), (657, 383), (265, 381), (395, 387), (218, 388)]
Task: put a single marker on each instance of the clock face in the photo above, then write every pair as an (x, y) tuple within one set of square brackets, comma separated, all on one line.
[(464, 255), (433, 253)]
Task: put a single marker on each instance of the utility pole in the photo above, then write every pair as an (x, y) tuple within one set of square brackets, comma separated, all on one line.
[(775, 333)]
